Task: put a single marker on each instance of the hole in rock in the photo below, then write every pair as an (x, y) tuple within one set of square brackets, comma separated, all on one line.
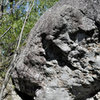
[(80, 35), (53, 52), (86, 90), (23, 95)]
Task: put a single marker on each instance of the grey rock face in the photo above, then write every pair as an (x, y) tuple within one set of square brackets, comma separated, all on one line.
[(61, 60)]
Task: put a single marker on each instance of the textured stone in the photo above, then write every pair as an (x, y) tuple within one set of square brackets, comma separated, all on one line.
[(61, 60), (9, 92)]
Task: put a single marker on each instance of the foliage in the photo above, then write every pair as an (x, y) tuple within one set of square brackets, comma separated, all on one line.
[(15, 20)]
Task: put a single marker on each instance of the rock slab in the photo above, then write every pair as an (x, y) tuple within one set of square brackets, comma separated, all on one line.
[(61, 60)]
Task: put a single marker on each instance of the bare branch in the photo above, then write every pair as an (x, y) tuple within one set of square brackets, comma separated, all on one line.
[(12, 65), (21, 1), (5, 32)]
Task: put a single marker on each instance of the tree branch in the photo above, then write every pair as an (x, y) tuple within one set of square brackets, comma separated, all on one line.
[(12, 65), (14, 7), (5, 32)]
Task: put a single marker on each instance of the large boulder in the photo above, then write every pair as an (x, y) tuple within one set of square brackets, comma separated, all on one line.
[(61, 60)]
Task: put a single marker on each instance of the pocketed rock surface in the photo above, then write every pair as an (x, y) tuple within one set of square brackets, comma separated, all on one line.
[(61, 60)]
